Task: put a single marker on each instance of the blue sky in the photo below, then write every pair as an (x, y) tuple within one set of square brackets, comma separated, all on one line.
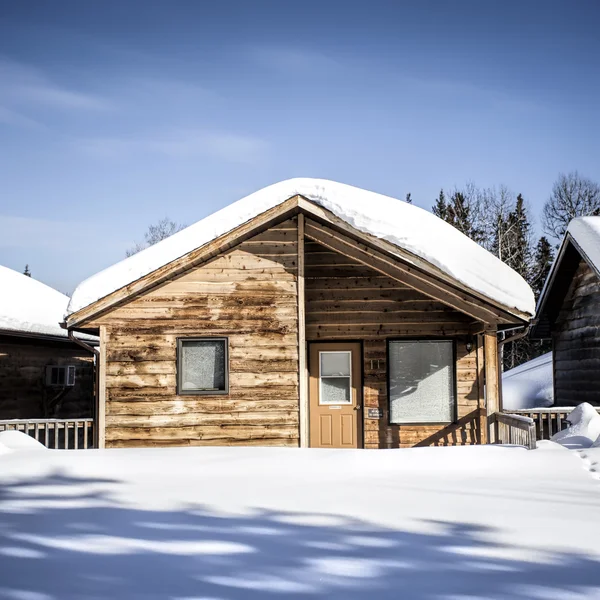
[(116, 114)]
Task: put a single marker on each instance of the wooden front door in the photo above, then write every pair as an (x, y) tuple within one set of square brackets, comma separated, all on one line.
[(335, 394)]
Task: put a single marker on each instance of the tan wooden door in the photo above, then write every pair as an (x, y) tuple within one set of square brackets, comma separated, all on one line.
[(335, 395)]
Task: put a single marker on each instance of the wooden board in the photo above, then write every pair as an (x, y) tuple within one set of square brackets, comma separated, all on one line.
[(576, 341), (249, 295), (23, 392)]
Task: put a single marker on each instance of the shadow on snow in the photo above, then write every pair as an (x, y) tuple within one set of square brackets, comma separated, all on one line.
[(65, 544)]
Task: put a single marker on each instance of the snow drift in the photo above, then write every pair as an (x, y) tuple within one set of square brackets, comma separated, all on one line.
[(529, 385), (408, 227), (583, 430), (12, 439)]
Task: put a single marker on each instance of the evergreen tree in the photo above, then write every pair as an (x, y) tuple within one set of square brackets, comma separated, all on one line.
[(460, 213), (542, 261), (519, 238), (540, 269), (27, 271), (440, 208), (518, 256)]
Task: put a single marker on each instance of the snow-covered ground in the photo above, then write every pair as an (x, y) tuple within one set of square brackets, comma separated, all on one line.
[(529, 385), (256, 523)]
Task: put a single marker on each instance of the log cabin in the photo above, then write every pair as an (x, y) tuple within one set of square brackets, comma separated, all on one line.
[(311, 314), (568, 314), (43, 374)]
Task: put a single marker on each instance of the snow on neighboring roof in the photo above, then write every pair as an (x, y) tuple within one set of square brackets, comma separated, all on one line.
[(586, 233), (30, 306), (406, 226), (529, 385)]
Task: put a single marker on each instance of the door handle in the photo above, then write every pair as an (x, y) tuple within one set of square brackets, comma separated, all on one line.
[(357, 407)]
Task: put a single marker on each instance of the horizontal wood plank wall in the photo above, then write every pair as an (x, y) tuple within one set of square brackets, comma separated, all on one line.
[(576, 342), (346, 300), (23, 390), (248, 294)]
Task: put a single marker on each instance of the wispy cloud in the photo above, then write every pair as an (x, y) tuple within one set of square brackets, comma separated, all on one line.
[(12, 117), (292, 60), (187, 143), (26, 86), (29, 232)]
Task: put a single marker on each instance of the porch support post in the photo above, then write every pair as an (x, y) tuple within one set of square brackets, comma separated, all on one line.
[(101, 402), (492, 388), (302, 365)]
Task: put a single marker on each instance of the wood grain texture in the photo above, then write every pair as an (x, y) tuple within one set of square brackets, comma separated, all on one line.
[(379, 433), (23, 390), (363, 304), (249, 295), (576, 341)]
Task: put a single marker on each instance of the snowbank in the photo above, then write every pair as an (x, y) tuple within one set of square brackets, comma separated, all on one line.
[(30, 306), (258, 523), (529, 385), (18, 440), (584, 428), (406, 226)]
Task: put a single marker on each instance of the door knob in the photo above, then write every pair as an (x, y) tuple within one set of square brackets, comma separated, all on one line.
[(357, 407)]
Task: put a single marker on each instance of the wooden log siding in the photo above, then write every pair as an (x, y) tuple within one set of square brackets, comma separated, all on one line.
[(248, 294), (346, 300), (23, 393), (576, 342)]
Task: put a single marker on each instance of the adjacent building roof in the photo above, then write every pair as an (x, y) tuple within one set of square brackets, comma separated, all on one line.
[(30, 307), (407, 227), (581, 241)]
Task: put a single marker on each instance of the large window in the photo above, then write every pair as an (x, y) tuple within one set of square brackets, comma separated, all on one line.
[(421, 381), (202, 366)]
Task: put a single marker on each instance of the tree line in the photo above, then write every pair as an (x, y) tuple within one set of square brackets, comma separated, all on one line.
[(500, 221)]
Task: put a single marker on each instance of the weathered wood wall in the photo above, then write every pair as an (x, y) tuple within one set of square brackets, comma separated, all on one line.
[(23, 392), (248, 294), (346, 300), (576, 342)]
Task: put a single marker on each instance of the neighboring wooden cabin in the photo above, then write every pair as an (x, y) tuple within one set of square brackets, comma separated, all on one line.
[(569, 314), (294, 327), (43, 374)]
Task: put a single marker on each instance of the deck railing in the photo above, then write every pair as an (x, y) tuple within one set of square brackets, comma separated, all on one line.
[(548, 421), (61, 434), (515, 429)]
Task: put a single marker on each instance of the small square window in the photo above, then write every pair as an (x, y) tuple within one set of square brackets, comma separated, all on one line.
[(202, 366), (60, 376)]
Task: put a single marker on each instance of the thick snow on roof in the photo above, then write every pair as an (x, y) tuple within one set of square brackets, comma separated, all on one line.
[(529, 385), (404, 225), (30, 306), (586, 232)]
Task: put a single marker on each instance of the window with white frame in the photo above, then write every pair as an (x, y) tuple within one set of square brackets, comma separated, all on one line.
[(335, 377), (421, 381), (202, 366), (60, 376)]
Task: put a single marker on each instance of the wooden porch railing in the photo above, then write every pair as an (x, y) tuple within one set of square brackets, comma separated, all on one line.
[(515, 429), (548, 421), (61, 434)]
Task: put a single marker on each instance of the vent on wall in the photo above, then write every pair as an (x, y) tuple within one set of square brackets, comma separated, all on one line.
[(60, 376)]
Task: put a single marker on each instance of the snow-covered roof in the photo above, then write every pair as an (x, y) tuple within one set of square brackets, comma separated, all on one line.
[(529, 385), (582, 240), (30, 306), (408, 227), (586, 233)]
